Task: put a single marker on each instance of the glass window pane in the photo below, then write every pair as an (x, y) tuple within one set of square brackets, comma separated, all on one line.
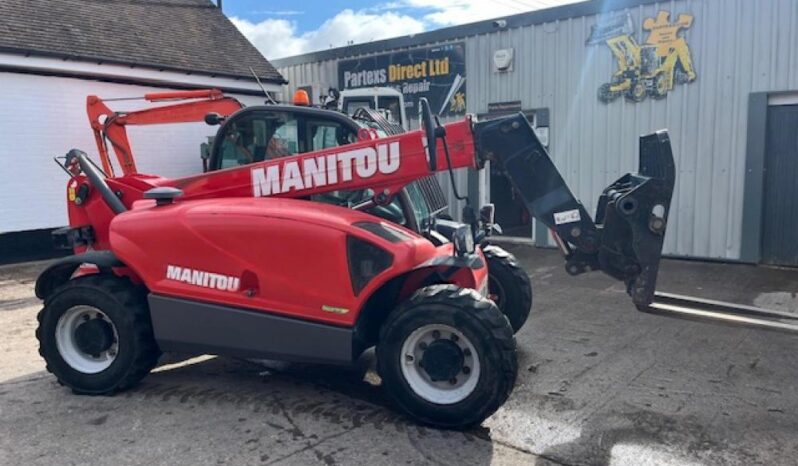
[(257, 137)]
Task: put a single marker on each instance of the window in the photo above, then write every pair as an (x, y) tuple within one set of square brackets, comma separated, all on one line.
[(259, 136), (420, 206), (351, 104), (389, 105), (324, 134)]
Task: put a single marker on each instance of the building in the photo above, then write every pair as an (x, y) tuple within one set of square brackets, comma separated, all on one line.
[(721, 75), (54, 54)]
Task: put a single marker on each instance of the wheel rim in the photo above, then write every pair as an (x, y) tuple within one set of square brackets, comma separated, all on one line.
[(451, 391), (496, 292), (73, 350)]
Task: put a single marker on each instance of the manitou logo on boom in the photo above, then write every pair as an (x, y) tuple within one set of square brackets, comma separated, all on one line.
[(315, 172), (201, 278)]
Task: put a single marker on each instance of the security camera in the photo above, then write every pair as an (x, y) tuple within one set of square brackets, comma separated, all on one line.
[(500, 23)]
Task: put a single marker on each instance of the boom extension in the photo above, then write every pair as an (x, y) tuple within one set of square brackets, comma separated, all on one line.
[(625, 240)]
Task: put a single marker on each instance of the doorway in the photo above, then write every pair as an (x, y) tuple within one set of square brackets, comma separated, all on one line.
[(780, 203)]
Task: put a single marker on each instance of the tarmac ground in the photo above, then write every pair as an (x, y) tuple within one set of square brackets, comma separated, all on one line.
[(599, 383)]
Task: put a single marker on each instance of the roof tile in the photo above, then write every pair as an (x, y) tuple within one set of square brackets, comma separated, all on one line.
[(184, 35)]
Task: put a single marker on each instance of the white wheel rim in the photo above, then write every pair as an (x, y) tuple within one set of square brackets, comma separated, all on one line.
[(67, 345), (439, 392)]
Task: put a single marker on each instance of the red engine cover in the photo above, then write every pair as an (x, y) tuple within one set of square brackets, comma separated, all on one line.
[(277, 255)]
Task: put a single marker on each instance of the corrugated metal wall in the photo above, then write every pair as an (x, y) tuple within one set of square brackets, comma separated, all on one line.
[(737, 46)]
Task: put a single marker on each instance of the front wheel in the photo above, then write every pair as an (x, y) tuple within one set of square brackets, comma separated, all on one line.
[(508, 285), (447, 357), (95, 335)]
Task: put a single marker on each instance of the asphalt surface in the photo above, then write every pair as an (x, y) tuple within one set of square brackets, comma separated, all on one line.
[(599, 383)]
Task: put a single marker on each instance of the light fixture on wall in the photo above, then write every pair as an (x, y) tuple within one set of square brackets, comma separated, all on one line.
[(503, 60)]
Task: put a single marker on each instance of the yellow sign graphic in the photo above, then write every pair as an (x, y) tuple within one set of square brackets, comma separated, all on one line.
[(648, 70)]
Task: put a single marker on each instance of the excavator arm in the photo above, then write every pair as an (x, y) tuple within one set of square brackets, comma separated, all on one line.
[(110, 127)]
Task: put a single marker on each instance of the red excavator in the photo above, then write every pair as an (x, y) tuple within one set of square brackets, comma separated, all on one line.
[(252, 261)]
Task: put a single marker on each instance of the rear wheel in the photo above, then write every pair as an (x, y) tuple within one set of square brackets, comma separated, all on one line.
[(447, 357), (96, 336), (508, 285), (637, 92)]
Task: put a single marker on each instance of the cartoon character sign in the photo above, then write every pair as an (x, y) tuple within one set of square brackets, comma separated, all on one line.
[(648, 70)]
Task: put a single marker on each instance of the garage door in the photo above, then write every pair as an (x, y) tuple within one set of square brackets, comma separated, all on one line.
[(780, 213)]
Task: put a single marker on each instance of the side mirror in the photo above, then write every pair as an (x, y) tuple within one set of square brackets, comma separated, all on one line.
[(213, 119), (428, 127)]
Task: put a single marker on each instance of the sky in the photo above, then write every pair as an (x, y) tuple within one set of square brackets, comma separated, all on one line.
[(282, 28)]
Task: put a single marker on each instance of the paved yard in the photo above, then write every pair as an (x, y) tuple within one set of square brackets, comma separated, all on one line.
[(599, 383)]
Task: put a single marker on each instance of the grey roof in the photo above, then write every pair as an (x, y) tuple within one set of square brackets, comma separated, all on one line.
[(572, 10), (179, 35)]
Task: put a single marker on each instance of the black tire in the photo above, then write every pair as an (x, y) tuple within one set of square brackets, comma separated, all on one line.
[(637, 92), (508, 285), (125, 306), (482, 324)]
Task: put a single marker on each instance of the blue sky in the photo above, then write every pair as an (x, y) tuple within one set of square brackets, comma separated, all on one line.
[(283, 28)]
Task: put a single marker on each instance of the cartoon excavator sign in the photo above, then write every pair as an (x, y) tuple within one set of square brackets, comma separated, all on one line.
[(650, 69)]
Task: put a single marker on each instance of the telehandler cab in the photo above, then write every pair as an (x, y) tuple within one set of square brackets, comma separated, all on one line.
[(191, 265)]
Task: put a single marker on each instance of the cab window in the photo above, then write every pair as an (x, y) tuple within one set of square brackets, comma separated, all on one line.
[(389, 105), (351, 104), (258, 137), (323, 134)]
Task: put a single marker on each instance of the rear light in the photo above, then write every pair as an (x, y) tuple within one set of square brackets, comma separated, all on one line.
[(366, 261)]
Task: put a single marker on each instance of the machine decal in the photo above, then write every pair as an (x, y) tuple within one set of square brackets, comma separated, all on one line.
[(568, 216), (325, 169), (651, 69), (334, 310), (202, 278)]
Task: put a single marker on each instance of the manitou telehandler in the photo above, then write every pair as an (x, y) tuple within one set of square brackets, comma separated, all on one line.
[(274, 131), (191, 265)]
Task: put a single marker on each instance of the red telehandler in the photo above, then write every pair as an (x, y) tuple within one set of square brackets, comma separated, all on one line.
[(246, 261), (281, 130)]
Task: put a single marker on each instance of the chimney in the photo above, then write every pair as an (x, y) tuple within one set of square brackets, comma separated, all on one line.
[(219, 4)]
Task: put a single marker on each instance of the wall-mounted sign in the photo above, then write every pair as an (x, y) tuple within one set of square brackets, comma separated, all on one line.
[(504, 108), (651, 69), (437, 73)]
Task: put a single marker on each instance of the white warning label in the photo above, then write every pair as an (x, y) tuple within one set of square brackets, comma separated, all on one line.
[(568, 216)]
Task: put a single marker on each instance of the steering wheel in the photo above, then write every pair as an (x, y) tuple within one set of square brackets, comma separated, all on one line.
[(428, 126)]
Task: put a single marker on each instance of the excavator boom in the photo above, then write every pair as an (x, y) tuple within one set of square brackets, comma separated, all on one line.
[(110, 126)]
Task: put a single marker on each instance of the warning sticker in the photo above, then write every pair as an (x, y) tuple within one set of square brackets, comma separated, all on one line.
[(568, 216)]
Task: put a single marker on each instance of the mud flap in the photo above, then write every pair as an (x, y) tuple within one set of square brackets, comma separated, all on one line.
[(626, 240)]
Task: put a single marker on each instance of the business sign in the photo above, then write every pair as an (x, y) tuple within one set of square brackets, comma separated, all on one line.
[(437, 73)]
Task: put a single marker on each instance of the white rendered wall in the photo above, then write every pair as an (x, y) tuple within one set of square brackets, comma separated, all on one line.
[(45, 116)]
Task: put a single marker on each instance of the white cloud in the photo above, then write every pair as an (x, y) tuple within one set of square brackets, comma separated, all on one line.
[(277, 38), (441, 13)]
